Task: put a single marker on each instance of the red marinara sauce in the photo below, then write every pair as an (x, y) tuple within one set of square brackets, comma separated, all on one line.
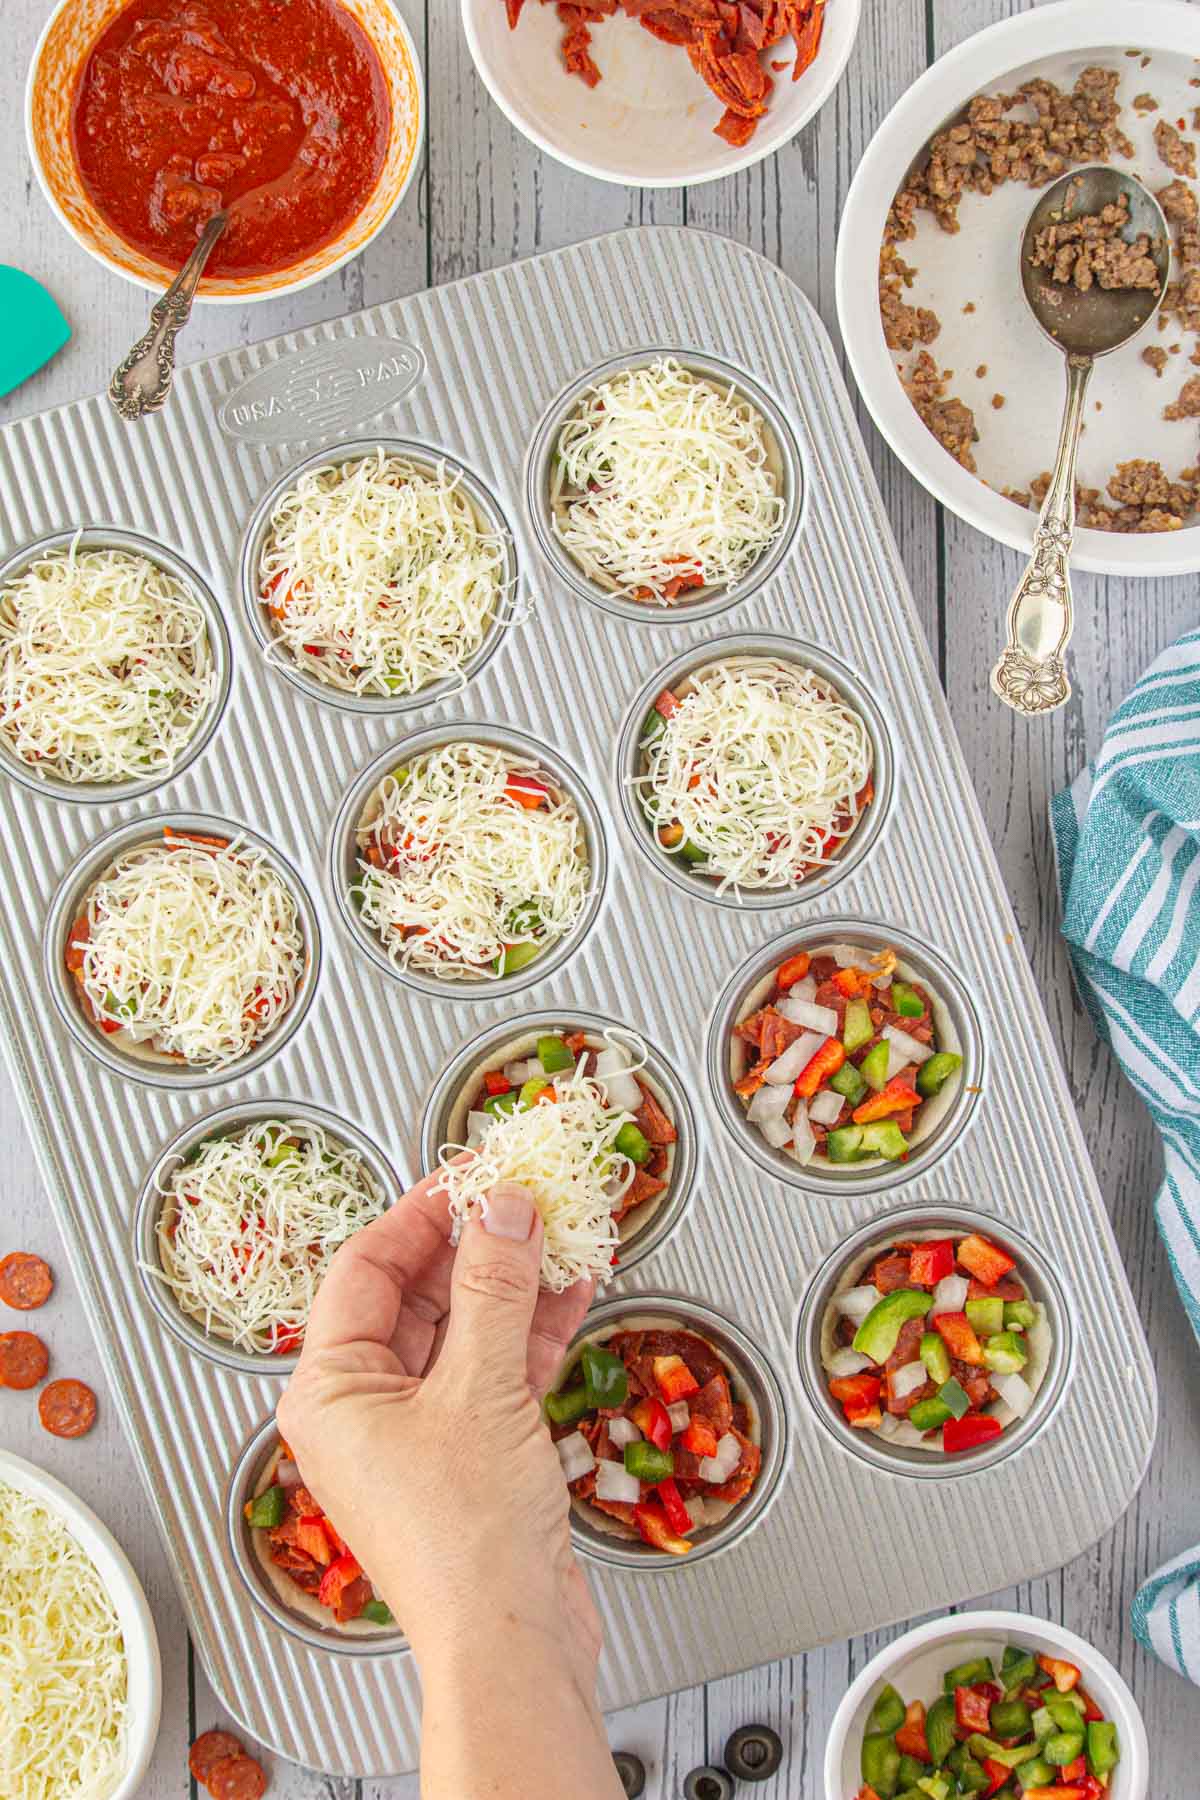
[(276, 109)]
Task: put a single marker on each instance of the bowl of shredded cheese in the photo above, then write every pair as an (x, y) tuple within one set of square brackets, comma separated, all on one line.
[(114, 664), (665, 484), (468, 861), (80, 1676), (379, 577)]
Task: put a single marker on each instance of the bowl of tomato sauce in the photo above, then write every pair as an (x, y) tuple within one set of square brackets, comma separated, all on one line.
[(302, 118)]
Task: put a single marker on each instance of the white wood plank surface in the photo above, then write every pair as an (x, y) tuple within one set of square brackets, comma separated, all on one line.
[(486, 197)]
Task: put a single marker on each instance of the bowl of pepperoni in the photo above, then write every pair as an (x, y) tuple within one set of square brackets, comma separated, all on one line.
[(302, 120)]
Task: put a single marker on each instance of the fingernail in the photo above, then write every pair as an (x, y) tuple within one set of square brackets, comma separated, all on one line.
[(508, 1211)]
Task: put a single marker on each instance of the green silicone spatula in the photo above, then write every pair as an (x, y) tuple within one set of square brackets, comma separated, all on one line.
[(32, 329)]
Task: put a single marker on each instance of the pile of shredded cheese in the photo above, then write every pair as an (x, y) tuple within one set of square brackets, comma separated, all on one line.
[(658, 473), (249, 1227), (196, 951), (63, 1674), (379, 575), (760, 765), (105, 666), (563, 1152), (469, 871)]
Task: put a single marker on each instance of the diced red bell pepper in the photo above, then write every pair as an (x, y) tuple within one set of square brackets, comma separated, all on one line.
[(896, 1097), (864, 1418), (973, 1707), (666, 704), (987, 1262), (655, 1528), (997, 1775), (497, 1082), (653, 1421), (911, 1739), (341, 1572), (678, 1516), (1091, 1787), (1074, 1771), (675, 1380), (700, 1438), (969, 1432), (958, 1335), (867, 1792), (313, 1539), (930, 1263), (1091, 1712), (527, 791), (793, 970), (852, 983), (1078, 1792), (827, 1061), (856, 1390), (288, 1339), (1064, 1675)]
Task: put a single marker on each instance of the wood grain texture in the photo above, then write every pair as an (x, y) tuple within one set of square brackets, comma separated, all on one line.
[(485, 197)]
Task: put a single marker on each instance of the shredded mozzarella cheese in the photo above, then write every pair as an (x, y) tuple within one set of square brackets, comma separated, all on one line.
[(659, 475), (106, 668), (469, 872), (763, 764), (379, 576), (195, 951), (63, 1671), (249, 1227), (564, 1152)]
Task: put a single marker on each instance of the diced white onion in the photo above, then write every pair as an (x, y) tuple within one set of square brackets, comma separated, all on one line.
[(720, 1467), (518, 1072), (287, 1475), (776, 1130), (1015, 1391), (846, 1362), (907, 1380), (614, 1482), (804, 1140), (825, 1108), (848, 956), (768, 1103), (888, 1425), (856, 1302), (803, 990), (812, 1017), (575, 1455), (477, 1124), (680, 1416), (622, 1432), (908, 1049), (697, 1511), (950, 1294), (797, 1056), (612, 1069)]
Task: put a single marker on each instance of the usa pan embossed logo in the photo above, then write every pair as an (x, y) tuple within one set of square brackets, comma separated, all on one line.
[(321, 391)]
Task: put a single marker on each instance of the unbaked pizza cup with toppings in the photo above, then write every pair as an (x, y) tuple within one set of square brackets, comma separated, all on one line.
[(589, 1115), (846, 1056), (935, 1341), (671, 1428), (238, 1221), (293, 1560), (755, 771), (182, 951), (380, 576), (468, 861), (114, 665), (664, 485)]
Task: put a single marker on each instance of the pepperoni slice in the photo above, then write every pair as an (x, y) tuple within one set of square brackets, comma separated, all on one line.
[(210, 1748), (67, 1408), (24, 1359), (237, 1778), (25, 1281)]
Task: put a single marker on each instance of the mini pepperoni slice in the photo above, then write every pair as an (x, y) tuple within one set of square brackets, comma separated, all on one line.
[(67, 1408), (24, 1359), (212, 1747), (25, 1281), (237, 1778)]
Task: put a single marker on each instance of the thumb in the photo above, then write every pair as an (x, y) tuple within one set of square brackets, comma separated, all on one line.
[(495, 1283)]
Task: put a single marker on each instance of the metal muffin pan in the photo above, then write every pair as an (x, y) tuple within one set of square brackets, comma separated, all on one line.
[(941, 1118), (772, 646), (226, 1122), (784, 456), (344, 870), (428, 458), (495, 350), (115, 537), (855, 1256)]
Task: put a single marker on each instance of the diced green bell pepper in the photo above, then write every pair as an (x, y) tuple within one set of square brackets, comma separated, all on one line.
[(266, 1510), (1103, 1750), (378, 1611), (982, 1746), (845, 1144), (887, 1714), (1005, 1354), (553, 1054), (501, 1103), (1016, 1754), (565, 1407), (1037, 1774), (911, 1772), (987, 1316), (973, 1778), (880, 1763), (690, 852), (516, 956), (1019, 1666), (936, 1357), (653, 725), (1065, 1709), (848, 1083), (874, 1065), (1063, 1748), (1043, 1724), (632, 1142), (929, 1415), (936, 1786), (954, 1398), (523, 919), (1011, 1718), (400, 774), (883, 1137), (1019, 1315), (936, 1071), (530, 1090), (648, 1462), (857, 1028), (876, 1336), (940, 1729), (968, 1673), (605, 1376), (906, 1001)]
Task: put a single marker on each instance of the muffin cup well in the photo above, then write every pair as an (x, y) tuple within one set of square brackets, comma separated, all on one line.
[(429, 459), (783, 449), (343, 858), (150, 1068), (850, 1259)]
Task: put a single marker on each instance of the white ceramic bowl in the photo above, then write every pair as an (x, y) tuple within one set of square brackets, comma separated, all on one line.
[(980, 265), (650, 121), (71, 30), (916, 1662), (141, 1640)]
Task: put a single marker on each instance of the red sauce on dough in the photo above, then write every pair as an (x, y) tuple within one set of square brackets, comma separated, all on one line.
[(276, 109)]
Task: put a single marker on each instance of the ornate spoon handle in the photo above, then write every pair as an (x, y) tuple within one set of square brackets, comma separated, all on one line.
[(141, 383), (1031, 675)]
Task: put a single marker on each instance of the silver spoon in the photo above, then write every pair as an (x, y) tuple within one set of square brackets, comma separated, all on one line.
[(1085, 323), (142, 381)]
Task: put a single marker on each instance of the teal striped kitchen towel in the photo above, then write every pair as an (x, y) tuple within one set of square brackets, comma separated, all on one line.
[(1127, 841)]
